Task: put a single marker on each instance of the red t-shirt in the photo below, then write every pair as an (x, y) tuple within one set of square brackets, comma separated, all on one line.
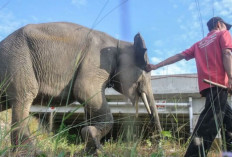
[(208, 56)]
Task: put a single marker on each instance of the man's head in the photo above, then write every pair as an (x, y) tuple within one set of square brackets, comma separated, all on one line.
[(217, 23)]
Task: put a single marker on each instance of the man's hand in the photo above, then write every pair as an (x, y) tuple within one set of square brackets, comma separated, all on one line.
[(230, 86), (227, 63), (150, 67)]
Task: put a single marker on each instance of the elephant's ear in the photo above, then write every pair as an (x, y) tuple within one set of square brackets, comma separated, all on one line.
[(140, 51)]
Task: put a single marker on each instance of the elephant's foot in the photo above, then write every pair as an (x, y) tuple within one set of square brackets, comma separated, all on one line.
[(94, 153), (24, 146), (21, 140), (92, 137), (27, 151)]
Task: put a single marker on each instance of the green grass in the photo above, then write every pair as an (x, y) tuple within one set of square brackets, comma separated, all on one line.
[(129, 142)]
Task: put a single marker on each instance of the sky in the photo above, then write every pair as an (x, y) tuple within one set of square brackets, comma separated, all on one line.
[(167, 26)]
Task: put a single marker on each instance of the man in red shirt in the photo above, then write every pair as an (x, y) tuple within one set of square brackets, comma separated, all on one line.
[(214, 62)]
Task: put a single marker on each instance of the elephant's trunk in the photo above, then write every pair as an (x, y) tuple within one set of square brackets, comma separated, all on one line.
[(137, 105), (152, 110)]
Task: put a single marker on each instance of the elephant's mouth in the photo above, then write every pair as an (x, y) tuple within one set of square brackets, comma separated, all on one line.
[(144, 98), (151, 109), (145, 101)]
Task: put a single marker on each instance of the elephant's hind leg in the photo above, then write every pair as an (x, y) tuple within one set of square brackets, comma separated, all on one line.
[(21, 138), (20, 118), (21, 95)]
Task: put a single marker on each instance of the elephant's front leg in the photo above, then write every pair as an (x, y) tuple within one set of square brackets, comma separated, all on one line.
[(99, 123)]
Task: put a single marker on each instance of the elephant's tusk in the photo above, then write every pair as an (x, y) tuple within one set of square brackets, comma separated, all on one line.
[(144, 97), (137, 106)]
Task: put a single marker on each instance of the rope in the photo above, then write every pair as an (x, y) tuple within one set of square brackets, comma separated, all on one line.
[(97, 22), (5, 4), (200, 17)]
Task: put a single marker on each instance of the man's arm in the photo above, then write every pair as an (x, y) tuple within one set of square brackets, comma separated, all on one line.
[(227, 62), (168, 61)]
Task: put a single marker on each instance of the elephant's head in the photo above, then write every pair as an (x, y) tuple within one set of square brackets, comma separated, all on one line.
[(131, 78)]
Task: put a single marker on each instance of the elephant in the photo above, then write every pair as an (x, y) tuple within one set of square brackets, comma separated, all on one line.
[(67, 61)]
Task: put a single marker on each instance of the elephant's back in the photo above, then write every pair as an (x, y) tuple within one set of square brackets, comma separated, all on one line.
[(57, 49), (13, 54), (51, 52)]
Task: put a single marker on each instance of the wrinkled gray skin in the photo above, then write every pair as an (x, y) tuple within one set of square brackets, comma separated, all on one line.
[(65, 60)]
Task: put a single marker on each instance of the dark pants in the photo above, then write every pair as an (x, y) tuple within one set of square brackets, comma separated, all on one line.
[(216, 115)]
